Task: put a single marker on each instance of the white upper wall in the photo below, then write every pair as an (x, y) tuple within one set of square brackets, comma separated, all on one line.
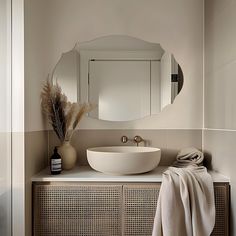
[(54, 26), (220, 65), (5, 67), (37, 63), (220, 84)]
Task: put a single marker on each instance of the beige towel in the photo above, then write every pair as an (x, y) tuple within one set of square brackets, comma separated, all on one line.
[(189, 156), (186, 201)]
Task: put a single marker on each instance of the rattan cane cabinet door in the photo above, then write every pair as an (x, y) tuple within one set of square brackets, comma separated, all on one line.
[(222, 209), (139, 208), (105, 210), (77, 210)]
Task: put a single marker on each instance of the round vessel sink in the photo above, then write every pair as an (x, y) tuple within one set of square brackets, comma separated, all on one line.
[(122, 160)]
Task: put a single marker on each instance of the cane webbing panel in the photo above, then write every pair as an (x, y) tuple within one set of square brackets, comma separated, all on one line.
[(73, 210), (101, 210), (222, 210), (139, 205), (139, 208)]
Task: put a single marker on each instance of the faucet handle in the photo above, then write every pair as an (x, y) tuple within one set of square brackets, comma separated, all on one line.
[(124, 139), (138, 139)]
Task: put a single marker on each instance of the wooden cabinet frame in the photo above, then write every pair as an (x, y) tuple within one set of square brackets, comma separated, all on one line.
[(107, 209)]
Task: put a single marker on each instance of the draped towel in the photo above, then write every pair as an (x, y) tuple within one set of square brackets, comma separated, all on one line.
[(186, 204)]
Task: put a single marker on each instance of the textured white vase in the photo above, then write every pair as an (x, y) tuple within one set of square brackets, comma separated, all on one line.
[(68, 155)]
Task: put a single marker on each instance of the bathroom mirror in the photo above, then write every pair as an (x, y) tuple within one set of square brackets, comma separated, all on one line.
[(127, 78)]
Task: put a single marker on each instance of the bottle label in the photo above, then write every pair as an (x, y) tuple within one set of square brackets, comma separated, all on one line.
[(56, 165)]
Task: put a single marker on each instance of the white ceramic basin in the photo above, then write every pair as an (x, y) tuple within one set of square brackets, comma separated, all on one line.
[(122, 160)]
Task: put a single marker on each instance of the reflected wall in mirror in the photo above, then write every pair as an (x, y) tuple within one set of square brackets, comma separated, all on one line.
[(127, 78), (66, 74)]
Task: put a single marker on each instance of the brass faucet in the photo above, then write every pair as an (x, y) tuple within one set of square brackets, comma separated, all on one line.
[(137, 139)]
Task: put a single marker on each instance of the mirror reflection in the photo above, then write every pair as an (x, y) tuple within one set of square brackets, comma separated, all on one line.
[(127, 78)]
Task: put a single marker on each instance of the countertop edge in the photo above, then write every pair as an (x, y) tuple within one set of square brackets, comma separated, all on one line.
[(86, 174)]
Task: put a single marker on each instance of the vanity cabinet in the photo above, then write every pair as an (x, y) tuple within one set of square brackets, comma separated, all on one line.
[(65, 209), (105, 209), (139, 208)]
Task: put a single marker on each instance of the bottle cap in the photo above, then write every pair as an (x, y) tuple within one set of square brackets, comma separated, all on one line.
[(55, 153)]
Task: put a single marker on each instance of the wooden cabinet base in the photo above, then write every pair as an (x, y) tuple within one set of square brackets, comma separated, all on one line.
[(74, 209)]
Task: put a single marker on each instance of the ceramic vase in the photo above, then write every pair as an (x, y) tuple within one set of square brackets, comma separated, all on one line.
[(68, 155)]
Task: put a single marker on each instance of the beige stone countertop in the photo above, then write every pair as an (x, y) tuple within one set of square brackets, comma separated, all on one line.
[(86, 174)]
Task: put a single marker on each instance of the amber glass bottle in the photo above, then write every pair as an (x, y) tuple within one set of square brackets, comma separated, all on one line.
[(55, 163)]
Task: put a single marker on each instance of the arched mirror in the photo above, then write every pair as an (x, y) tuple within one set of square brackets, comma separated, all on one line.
[(127, 78)]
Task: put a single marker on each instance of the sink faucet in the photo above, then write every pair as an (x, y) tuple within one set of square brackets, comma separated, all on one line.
[(137, 139)]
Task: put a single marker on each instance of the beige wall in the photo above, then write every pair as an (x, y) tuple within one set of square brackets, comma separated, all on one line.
[(5, 183), (37, 63), (169, 141), (35, 160), (17, 121), (54, 26), (36, 71), (220, 83), (5, 118)]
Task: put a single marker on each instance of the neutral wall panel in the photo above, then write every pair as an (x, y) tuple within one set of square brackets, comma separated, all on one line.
[(220, 61), (169, 141), (220, 147), (54, 26), (36, 154), (220, 111), (5, 118), (17, 136)]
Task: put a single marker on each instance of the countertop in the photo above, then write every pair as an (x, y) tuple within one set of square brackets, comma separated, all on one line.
[(86, 174)]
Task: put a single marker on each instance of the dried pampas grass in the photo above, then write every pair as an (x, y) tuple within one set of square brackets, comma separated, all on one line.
[(63, 115)]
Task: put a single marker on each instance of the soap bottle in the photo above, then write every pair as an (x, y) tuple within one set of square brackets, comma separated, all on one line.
[(55, 163)]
